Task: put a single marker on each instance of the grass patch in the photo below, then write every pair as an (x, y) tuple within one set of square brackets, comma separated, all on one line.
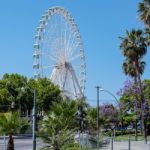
[(132, 137)]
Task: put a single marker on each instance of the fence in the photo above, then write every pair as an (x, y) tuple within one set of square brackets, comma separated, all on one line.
[(3, 142), (126, 145), (25, 143)]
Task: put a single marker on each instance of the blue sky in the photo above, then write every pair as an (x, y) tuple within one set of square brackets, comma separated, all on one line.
[(100, 23)]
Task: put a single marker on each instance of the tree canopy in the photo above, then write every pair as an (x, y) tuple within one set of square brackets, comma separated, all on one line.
[(18, 89)]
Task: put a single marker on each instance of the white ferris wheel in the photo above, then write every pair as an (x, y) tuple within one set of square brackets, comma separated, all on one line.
[(59, 53)]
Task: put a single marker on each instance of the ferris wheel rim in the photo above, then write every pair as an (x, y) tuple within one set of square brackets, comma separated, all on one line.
[(40, 29)]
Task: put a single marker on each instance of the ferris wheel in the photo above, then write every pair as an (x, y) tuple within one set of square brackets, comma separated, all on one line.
[(59, 53)]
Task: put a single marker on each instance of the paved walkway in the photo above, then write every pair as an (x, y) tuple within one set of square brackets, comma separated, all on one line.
[(21, 144), (26, 144), (135, 145)]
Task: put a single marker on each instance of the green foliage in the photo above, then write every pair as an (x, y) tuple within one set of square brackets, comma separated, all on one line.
[(59, 124), (71, 146), (47, 93), (17, 89), (143, 10), (92, 119), (11, 123), (146, 89), (13, 83), (128, 103), (134, 48), (10, 86), (5, 99)]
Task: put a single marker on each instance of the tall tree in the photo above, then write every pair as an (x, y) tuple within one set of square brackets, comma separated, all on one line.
[(47, 93), (144, 12), (131, 102), (18, 90), (144, 15), (12, 83), (134, 47), (109, 114), (147, 32)]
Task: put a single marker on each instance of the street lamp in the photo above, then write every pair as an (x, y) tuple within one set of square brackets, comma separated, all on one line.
[(122, 112), (101, 89), (34, 121), (98, 88)]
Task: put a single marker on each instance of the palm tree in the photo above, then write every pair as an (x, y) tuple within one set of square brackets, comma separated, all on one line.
[(144, 12), (134, 47), (147, 32), (129, 68), (59, 124), (11, 123)]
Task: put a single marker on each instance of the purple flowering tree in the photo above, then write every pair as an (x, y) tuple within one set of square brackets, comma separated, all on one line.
[(132, 101), (109, 115)]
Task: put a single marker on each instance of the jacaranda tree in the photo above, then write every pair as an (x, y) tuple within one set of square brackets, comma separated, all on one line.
[(134, 48)]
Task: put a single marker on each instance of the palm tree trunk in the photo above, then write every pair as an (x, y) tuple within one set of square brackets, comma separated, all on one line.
[(10, 143), (136, 97), (143, 111), (143, 117)]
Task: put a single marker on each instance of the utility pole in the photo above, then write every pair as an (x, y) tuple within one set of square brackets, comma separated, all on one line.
[(97, 87), (34, 121)]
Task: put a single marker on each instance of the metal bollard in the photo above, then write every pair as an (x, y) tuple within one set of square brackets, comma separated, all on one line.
[(87, 141), (80, 140), (112, 142), (129, 142), (4, 142)]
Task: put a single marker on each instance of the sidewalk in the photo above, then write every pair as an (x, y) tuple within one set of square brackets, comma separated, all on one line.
[(135, 145)]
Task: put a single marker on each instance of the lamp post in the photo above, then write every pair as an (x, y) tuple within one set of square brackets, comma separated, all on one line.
[(98, 88), (34, 121), (101, 89)]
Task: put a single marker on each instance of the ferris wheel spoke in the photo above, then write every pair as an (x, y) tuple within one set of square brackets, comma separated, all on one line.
[(74, 82), (47, 55), (77, 66), (65, 41), (68, 38), (46, 67), (73, 49), (75, 57), (55, 76), (72, 43)]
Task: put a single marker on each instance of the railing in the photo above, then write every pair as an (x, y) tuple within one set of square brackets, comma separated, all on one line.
[(126, 145), (3, 142)]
